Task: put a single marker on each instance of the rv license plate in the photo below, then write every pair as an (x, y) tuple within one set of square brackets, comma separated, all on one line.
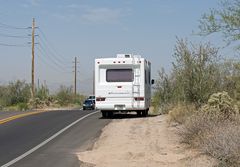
[(119, 107)]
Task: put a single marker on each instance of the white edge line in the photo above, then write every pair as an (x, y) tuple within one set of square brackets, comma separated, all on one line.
[(46, 141)]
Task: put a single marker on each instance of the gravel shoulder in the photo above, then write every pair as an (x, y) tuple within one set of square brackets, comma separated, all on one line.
[(142, 142)]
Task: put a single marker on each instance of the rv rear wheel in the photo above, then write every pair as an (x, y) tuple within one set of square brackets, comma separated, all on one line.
[(104, 114), (110, 114), (144, 113), (139, 113)]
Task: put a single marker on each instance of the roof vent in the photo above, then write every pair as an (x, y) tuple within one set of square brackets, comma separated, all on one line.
[(124, 55)]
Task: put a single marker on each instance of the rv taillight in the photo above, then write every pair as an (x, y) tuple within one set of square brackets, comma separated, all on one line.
[(98, 62), (114, 62), (100, 99), (139, 98)]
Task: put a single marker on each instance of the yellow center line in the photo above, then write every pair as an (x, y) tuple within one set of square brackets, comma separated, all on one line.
[(2, 121)]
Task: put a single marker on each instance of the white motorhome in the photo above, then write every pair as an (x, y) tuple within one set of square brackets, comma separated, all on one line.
[(123, 84)]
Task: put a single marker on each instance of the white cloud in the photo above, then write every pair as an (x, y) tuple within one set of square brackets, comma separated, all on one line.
[(102, 15)]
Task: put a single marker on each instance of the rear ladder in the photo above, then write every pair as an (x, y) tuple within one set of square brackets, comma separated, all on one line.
[(136, 82)]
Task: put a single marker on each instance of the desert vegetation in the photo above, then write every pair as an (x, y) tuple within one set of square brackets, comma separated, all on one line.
[(202, 91), (201, 94), (17, 96)]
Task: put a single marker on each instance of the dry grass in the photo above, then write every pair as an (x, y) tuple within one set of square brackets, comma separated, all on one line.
[(180, 112), (215, 136), (214, 128), (223, 143)]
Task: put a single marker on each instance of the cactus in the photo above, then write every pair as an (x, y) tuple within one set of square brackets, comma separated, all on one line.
[(220, 104)]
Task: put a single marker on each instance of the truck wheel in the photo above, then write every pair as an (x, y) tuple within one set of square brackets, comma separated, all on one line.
[(104, 114)]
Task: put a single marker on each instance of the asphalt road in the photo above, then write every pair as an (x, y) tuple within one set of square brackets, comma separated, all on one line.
[(21, 135)]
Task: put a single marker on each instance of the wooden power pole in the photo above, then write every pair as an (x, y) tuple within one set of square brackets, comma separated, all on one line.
[(75, 76), (33, 57)]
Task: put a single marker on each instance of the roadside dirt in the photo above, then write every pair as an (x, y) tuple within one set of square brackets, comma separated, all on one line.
[(142, 142)]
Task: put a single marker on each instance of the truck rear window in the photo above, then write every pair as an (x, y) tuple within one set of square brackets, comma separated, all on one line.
[(119, 75)]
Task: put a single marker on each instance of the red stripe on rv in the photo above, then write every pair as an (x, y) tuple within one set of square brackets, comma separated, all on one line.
[(139, 98), (100, 99)]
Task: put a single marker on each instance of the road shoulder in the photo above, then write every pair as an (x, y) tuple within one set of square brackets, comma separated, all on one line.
[(142, 142)]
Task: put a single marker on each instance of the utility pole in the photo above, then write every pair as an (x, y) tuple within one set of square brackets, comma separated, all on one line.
[(75, 76), (93, 82), (38, 84), (33, 56)]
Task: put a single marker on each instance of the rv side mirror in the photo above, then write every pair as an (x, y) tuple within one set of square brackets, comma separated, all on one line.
[(152, 81)]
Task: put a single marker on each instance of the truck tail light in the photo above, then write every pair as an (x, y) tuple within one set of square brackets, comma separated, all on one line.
[(139, 98), (100, 99)]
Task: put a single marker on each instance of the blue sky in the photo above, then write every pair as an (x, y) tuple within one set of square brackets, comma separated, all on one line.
[(90, 29)]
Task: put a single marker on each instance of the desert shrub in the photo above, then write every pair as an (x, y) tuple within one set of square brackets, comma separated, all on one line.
[(219, 108), (214, 129), (195, 76), (217, 138), (194, 127), (223, 143), (221, 105), (79, 99), (195, 70), (180, 112), (230, 77), (19, 92), (23, 106), (36, 103), (42, 93), (65, 95), (14, 93), (163, 95)]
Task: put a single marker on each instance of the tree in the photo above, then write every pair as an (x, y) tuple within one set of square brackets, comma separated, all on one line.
[(195, 71), (225, 20), (195, 75)]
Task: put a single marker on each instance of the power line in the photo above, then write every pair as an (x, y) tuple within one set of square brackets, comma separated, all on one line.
[(46, 62), (44, 52), (50, 44), (50, 52), (49, 55), (13, 45), (3, 25), (13, 36)]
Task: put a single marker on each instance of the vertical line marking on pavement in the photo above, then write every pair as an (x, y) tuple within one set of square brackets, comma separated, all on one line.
[(46, 141)]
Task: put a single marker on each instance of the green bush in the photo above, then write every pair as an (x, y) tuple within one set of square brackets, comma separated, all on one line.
[(23, 106), (14, 93), (42, 93), (194, 78), (65, 95)]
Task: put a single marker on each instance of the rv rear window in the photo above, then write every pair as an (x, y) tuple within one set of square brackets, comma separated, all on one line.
[(119, 75)]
